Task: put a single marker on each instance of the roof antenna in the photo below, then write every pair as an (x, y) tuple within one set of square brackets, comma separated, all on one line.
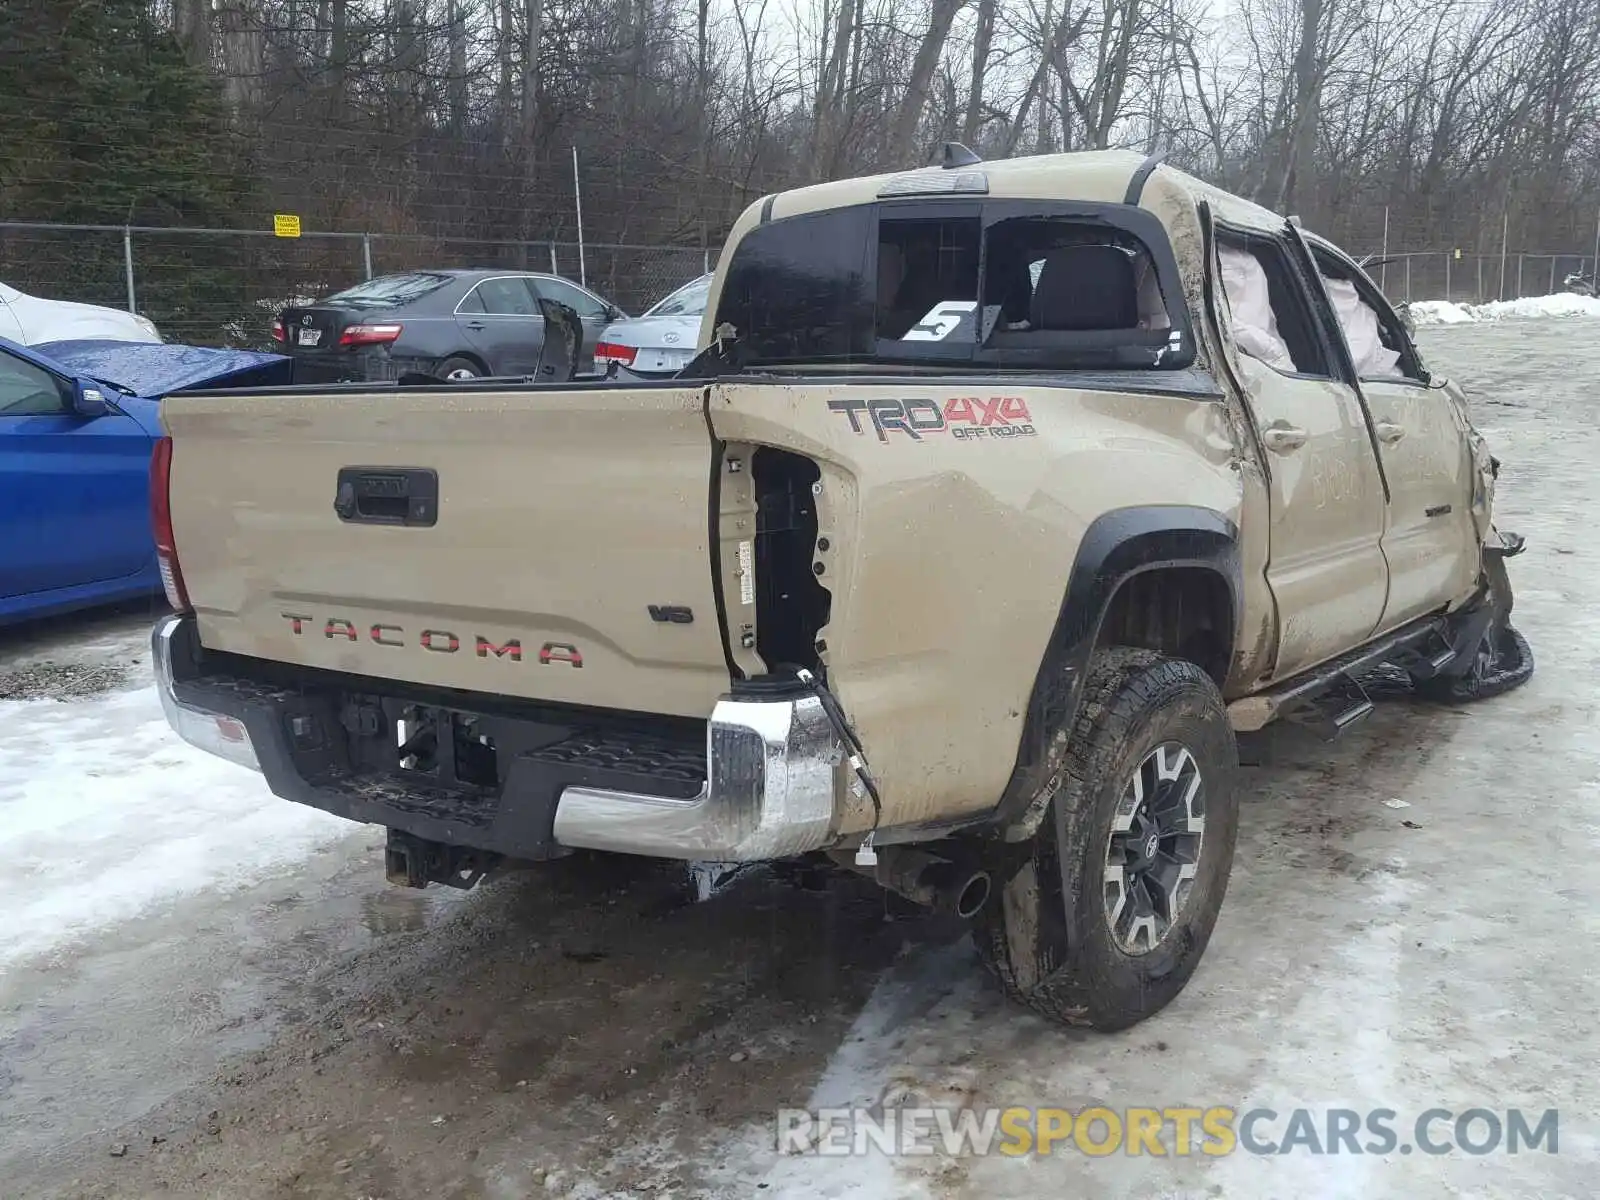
[(956, 155)]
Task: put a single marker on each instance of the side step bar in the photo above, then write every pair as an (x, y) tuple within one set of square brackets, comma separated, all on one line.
[(1329, 714), (1330, 699), (1324, 689)]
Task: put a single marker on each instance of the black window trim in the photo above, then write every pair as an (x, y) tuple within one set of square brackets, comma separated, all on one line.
[(1306, 259), (1313, 299), (1373, 295), (1141, 224)]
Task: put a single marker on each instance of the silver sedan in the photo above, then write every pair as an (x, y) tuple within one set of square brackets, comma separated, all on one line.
[(663, 340)]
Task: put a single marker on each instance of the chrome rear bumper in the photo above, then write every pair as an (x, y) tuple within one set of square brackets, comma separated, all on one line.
[(769, 792), (772, 771)]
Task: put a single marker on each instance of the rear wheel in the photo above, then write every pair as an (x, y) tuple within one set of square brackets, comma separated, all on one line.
[(457, 368), (1104, 916)]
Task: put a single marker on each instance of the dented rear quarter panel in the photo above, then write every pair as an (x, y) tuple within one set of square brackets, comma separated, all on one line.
[(950, 557)]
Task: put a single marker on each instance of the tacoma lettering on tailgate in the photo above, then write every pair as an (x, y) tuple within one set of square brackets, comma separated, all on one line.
[(435, 641)]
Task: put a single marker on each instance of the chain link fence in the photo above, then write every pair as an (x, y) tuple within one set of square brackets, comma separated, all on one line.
[(1476, 278), (224, 286)]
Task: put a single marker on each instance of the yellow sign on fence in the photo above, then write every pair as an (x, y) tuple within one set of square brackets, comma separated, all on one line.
[(285, 225)]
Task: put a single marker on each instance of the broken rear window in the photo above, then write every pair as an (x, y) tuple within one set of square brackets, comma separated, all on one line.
[(987, 283)]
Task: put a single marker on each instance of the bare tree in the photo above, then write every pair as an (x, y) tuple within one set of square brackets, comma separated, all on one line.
[(942, 15), (456, 116), (982, 43)]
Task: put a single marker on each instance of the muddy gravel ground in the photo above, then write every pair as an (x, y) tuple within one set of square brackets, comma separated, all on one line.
[(591, 1030)]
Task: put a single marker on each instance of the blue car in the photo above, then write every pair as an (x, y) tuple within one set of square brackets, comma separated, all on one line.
[(77, 425)]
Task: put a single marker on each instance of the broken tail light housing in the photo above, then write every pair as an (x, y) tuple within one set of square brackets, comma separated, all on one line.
[(369, 335), (615, 352), (161, 524)]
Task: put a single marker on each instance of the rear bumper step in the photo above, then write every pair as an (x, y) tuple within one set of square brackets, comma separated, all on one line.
[(761, 785)]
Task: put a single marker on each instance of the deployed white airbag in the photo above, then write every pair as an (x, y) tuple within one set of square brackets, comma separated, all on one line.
[(1255, 329), (1359, 321)]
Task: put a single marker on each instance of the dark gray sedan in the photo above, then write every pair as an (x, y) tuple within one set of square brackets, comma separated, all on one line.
[(451, 323)]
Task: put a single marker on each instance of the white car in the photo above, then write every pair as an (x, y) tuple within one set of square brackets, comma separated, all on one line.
[(32, 321), (663, 340)]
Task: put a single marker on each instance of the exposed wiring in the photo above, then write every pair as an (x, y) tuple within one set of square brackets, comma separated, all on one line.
[(855, 755)]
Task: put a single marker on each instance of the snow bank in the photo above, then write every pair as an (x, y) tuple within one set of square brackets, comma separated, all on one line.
[(1562, 304), (1440, 312), (105, 813)]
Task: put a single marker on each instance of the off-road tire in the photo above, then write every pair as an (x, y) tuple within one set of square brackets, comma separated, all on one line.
[(1044, 932), (456, 363)]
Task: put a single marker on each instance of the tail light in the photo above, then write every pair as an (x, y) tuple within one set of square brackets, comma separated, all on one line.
[(278, 335), (615, 352), (369, 335), (161, 524)]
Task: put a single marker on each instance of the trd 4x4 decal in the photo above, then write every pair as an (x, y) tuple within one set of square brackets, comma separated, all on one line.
[(962, 417)]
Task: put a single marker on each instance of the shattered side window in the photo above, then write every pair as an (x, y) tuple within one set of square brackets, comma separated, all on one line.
[(1269, 309), (1378, 346), (1034, 241)]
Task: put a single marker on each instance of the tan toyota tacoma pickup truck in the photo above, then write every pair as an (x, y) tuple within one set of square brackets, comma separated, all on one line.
[(999, 497)]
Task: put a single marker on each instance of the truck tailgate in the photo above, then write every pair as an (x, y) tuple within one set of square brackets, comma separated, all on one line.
[(568, 558)]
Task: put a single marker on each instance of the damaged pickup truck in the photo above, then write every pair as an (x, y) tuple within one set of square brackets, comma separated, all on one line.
[(999, 498)]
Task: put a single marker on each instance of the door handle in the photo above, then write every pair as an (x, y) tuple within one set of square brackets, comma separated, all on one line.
[(1388, 432), (387, 495), (475, 326), (1282, 438)]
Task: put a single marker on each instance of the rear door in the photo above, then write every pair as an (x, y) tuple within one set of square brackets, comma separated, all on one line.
[(594, 312), (558, 520), (500, 320), (1325, 560), (74, 491), (1420, 428)]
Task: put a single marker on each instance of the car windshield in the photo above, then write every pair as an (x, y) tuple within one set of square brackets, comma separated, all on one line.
[(391, 291), (687, 301), (984, 283)]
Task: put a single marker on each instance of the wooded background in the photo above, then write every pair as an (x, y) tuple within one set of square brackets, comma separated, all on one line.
[(457, 118)]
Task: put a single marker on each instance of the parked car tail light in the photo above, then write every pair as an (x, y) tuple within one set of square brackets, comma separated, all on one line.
[(278, 335), (615, 352), (161, 523), (369, 335)]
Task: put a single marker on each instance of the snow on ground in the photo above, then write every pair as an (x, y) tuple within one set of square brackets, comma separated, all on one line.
[(105, 813), (1440, 312), (1562, 304)]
